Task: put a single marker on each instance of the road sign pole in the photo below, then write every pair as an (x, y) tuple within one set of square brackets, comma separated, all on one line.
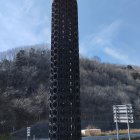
[(128, 131), (128, 125), (34, 137), (117, 130)]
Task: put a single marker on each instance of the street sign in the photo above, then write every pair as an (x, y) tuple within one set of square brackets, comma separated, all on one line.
[(122, 111), (123, 118), (124, 121), (122, 108), (123, 114), (28, 131), (122, 105)]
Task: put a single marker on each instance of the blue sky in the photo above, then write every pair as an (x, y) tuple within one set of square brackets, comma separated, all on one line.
[(109, 29)]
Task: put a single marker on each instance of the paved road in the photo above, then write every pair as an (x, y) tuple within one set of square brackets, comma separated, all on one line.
[(110, 137), (107, 137)]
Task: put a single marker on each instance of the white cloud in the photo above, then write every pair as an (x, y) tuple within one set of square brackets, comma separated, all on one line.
[(116, 54), (103, 37), (103, 42), (22, 23), (106, 35), (27, 5)]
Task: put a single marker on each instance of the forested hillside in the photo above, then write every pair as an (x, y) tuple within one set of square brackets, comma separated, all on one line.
[(24, 88), (11, 53)]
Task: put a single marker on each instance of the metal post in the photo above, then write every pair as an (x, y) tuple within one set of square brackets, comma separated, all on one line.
[(128, 131), (128, 124), (33, 137), (117, 128)]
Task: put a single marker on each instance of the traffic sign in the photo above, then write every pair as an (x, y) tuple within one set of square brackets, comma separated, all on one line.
[(125, 107), (124, 121), (28, 131), (122, 105), (123, 118), (122, 111), (123, 114)]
